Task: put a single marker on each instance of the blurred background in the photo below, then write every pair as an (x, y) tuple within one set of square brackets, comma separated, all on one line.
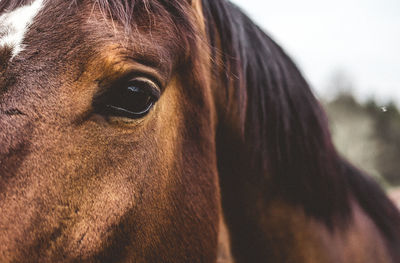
[(349, 51)]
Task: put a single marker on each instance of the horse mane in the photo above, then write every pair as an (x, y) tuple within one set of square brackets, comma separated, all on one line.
[(284, 124), (285, 127)]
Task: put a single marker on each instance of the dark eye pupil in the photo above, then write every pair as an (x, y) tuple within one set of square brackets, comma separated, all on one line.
[(133, 100)]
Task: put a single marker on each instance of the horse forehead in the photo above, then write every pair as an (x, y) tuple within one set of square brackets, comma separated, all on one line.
[(15, 24)]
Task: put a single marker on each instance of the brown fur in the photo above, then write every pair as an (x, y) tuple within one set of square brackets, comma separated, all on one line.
[(78, 187)]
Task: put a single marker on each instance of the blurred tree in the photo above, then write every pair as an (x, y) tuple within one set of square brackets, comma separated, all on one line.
[(354, 134), (367, 134), (387, 126)]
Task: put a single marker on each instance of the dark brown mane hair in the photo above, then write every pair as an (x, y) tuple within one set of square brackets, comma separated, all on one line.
[(284, 125), (285, 128)]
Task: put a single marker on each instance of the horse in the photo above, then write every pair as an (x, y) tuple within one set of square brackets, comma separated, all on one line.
[(170, 131)]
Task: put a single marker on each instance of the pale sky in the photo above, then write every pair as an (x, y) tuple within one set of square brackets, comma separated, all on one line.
[(359, 37)]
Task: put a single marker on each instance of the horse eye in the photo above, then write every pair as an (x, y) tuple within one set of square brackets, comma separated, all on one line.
[(133, 99)]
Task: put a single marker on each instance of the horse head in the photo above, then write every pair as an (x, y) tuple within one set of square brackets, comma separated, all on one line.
[(107, 141)]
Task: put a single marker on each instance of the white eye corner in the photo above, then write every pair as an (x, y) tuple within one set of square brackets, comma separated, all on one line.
[(15, 24)]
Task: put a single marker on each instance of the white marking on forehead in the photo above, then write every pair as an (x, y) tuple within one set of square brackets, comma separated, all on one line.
[(15, 24)]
